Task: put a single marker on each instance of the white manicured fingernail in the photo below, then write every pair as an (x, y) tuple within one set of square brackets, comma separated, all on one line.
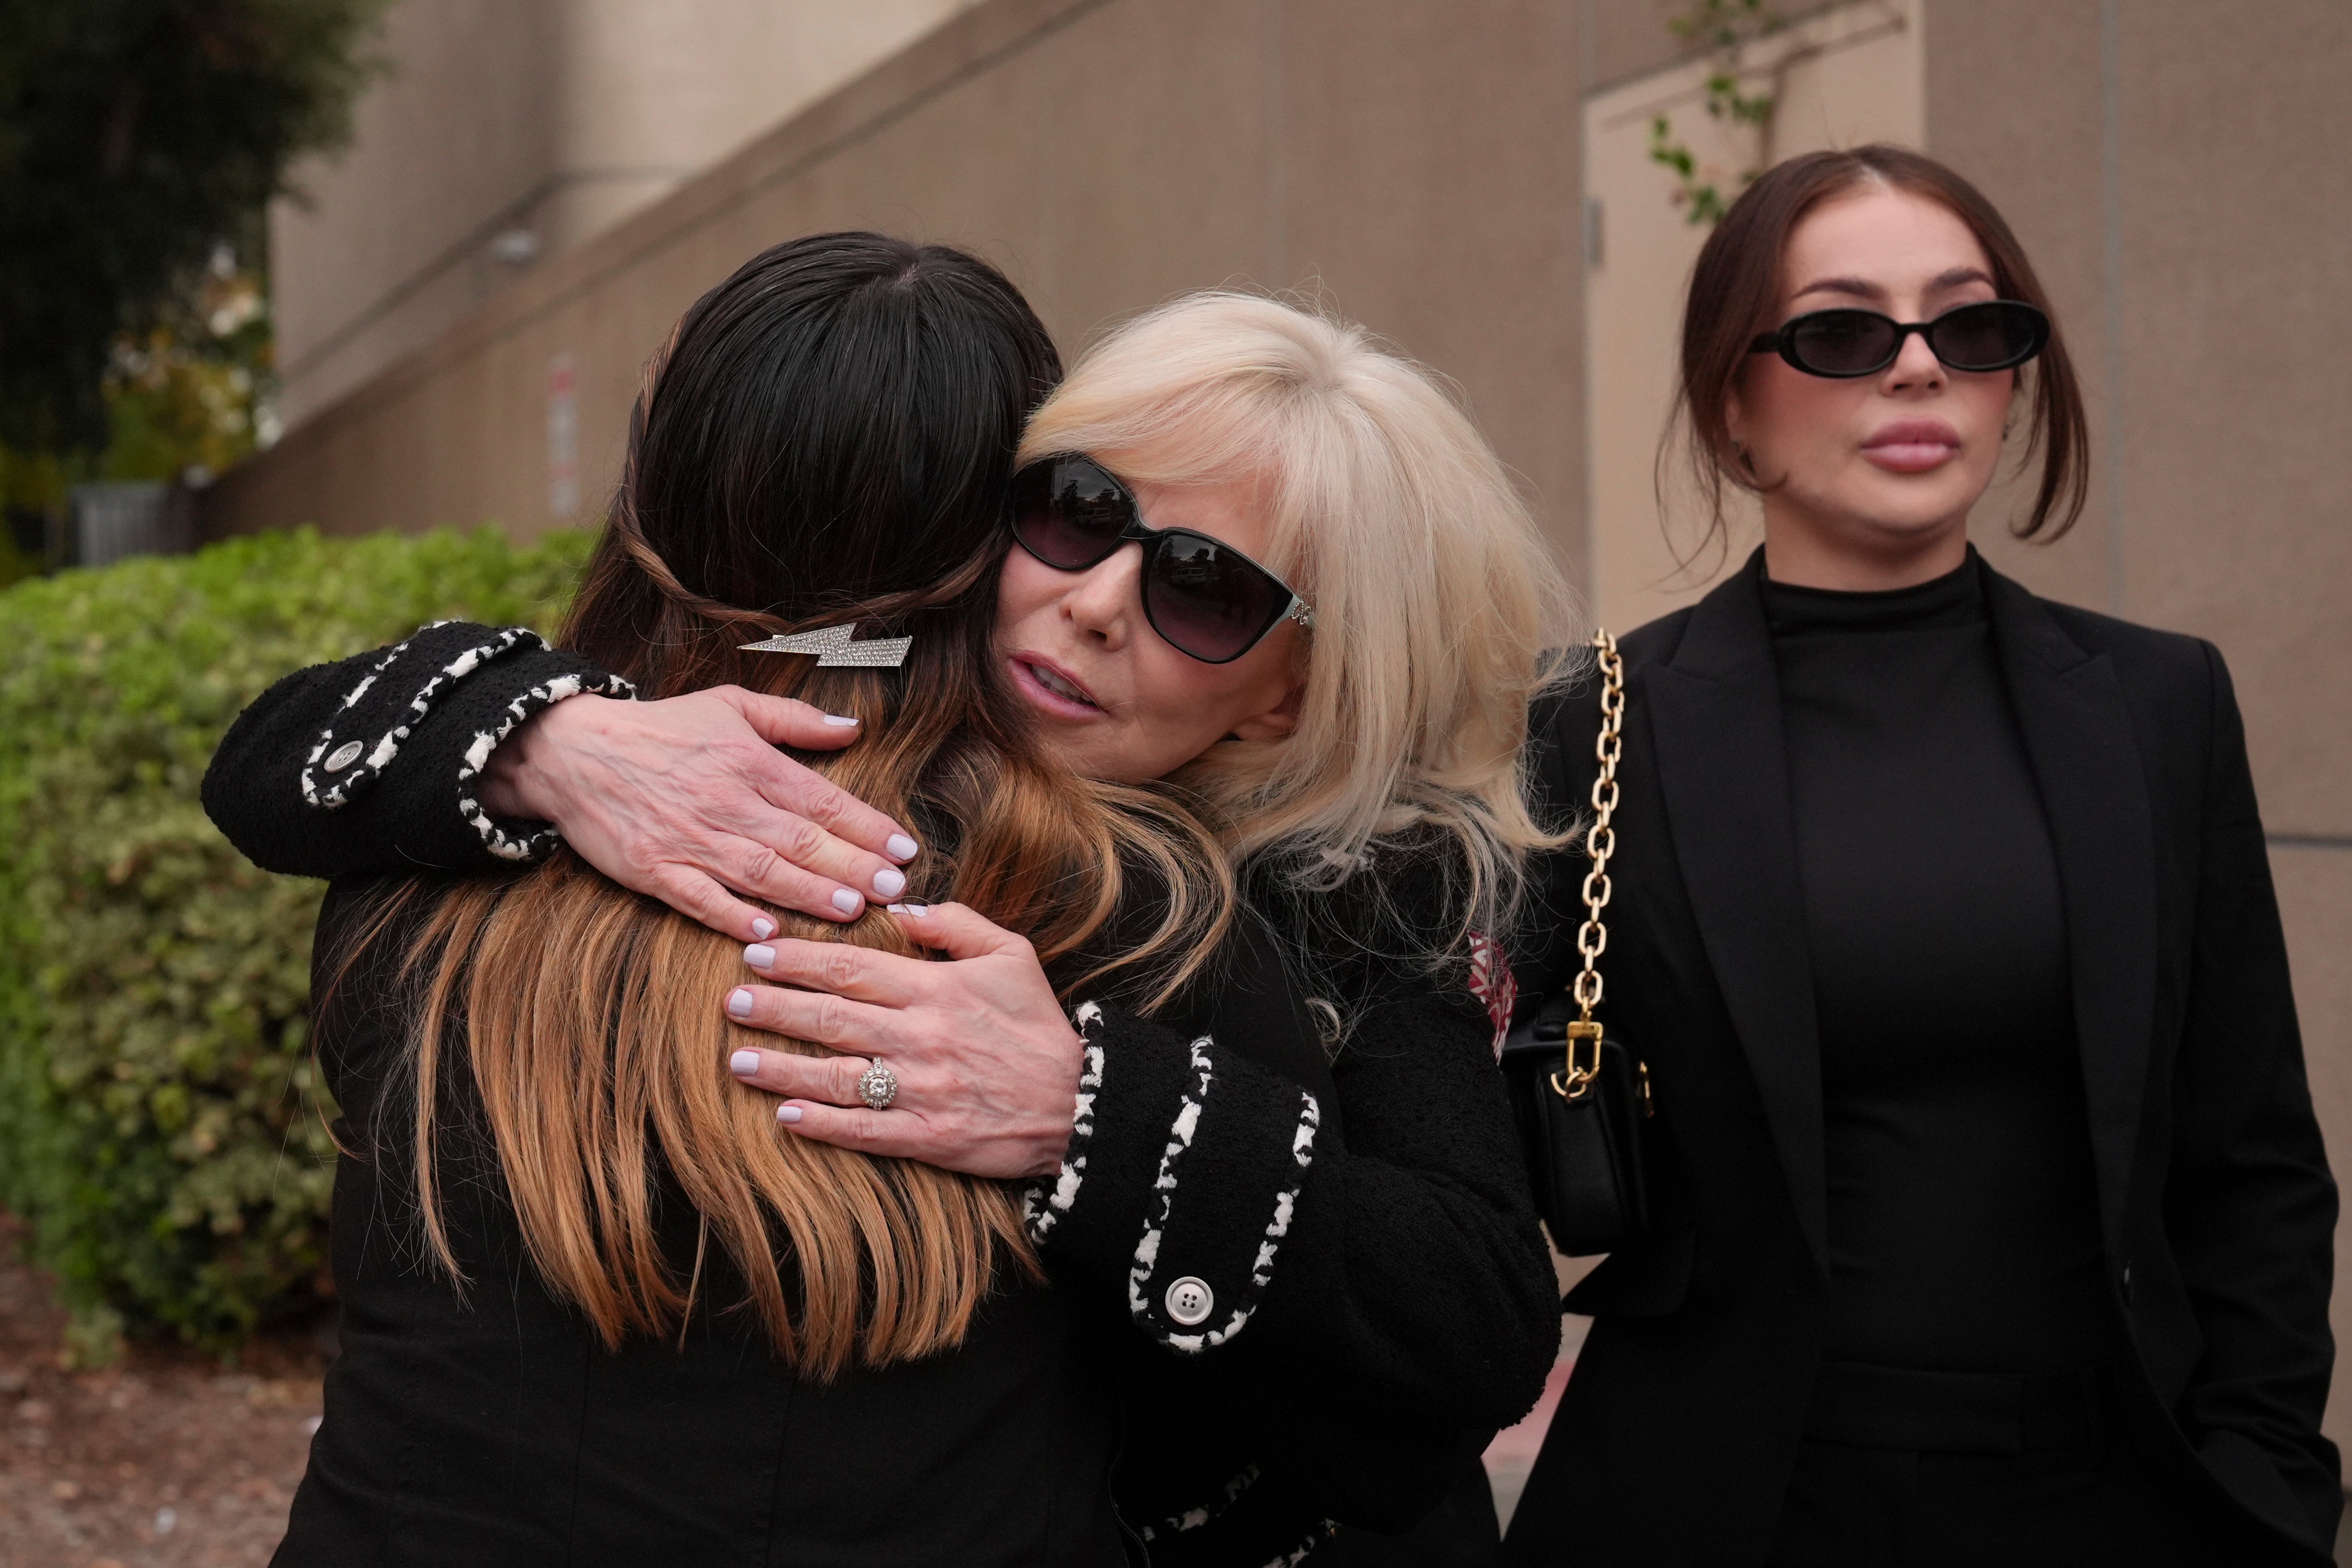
[(847, 901), (890, 883), (788, 1114), (763, 927), (901, 846), (917, 910), (743, 1064), (758, 956), (739, 1003), (839, 718)]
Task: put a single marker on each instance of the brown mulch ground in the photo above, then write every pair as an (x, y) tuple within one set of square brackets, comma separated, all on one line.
[(169, 1459)]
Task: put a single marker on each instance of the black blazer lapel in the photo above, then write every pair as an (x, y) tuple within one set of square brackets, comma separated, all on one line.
[(2078, 737), (1715, 709)]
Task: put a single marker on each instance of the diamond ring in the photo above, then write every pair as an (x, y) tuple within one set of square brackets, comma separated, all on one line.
[(878, 1086)]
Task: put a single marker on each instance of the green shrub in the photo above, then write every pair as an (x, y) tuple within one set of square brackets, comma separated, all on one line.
[(159, 1124)]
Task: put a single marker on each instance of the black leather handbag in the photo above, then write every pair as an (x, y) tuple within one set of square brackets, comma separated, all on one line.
[(1579, 1096)]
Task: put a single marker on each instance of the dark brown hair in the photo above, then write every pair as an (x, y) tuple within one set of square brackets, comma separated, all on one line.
[(1735, 294)]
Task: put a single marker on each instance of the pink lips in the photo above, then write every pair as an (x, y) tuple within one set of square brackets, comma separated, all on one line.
[(1913, 445), (1031, 674)]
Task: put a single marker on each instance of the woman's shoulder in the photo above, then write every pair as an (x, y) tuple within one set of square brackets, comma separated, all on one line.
[(2146, 656), (365, 926), (1398, 920), (359, 1003), (2175, 686), (1571, 702)]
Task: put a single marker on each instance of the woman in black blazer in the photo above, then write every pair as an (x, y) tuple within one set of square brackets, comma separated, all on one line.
[(1992, 1223)]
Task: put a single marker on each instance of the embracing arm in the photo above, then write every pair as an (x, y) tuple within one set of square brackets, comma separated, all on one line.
[(1222, 1202), (1386, 1300), (374, 764), (1369, 1269), (467, 747), (2250, 1205), (1401, 1261)]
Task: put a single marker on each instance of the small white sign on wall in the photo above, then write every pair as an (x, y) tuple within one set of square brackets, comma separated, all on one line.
[(562, 439)]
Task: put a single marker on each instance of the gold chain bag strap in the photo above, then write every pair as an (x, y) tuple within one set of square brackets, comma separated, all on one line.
[(1581, 1096)]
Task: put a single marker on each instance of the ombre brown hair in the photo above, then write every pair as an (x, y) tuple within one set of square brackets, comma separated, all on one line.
[(1735, 294), (827, 438)]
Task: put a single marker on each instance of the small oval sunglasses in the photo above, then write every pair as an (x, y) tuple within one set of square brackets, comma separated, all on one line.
[(1202, 596), (1844, 344)]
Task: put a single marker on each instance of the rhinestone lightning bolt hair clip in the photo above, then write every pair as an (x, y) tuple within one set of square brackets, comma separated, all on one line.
[(833, 646)]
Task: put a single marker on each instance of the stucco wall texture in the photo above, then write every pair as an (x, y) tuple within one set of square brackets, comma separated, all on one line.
[(550, 119), (1419, 163)]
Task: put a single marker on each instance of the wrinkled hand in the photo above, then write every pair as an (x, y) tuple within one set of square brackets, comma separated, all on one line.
[(688, 799), (986, 1061)]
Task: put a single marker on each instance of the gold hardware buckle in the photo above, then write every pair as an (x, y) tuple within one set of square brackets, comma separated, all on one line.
[(1579, 1079)]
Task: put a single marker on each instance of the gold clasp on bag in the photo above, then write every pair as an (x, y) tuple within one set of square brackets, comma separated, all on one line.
[(1573, 1083)]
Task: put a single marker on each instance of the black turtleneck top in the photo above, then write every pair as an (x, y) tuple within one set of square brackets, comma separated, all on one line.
[(1963, 1221)]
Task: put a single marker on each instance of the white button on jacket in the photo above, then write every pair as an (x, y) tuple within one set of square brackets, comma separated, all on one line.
[(1190, 1300)]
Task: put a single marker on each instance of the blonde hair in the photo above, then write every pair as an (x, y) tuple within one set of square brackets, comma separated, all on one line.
[(1392, 516)]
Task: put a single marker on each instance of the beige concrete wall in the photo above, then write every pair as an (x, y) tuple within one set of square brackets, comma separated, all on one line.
[(1628, 38), (387, 243), (558, 117), (1109, 153)]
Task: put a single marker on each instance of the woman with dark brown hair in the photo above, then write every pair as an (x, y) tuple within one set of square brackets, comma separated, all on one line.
[(1990, 1222), (596, 1309)]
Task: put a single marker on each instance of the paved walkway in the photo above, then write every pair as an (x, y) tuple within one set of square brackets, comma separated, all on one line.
[(168, 1460)]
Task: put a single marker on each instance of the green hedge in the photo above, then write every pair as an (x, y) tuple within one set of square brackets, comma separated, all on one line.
[(159, 1124)]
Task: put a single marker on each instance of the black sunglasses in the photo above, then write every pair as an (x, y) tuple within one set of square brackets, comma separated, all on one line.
[(1844, 344), (1202, 596)]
